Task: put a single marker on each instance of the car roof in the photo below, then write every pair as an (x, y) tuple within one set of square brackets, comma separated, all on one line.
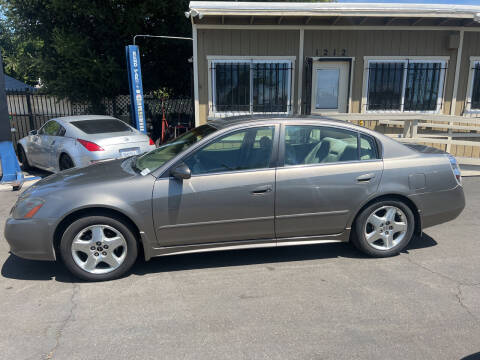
[(69, 119), (239, 120)]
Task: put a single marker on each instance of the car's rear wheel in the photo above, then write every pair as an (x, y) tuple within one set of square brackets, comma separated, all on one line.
[(384, 228), (22, 157), (66, 162), (98, 248)]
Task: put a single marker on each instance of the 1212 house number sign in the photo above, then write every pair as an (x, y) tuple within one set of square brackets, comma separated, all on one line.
[(331, 52)]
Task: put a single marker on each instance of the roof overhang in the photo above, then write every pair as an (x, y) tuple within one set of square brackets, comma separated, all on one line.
[(224, 9)]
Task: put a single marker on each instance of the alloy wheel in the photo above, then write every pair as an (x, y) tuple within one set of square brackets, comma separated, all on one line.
[(99, 249), (386, 227)]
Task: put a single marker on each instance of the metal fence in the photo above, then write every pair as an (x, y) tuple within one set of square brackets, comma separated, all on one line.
[(29, 110)]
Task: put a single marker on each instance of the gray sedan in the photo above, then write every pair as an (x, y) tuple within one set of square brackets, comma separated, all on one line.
[(235, 184), (76, 141)]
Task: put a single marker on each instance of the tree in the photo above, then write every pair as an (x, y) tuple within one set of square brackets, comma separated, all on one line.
[(79, 45), (19, 55)]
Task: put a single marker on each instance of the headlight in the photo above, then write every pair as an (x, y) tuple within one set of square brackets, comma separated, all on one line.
[(27, 208)]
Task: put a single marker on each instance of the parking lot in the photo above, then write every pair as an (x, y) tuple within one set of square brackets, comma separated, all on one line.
[(311, 302)]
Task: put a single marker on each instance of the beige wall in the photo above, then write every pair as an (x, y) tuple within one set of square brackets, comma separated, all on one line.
[(382, 43), (357, 43), (241, 43)]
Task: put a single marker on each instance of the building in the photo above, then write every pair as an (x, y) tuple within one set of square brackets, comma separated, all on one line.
[(324, 58)]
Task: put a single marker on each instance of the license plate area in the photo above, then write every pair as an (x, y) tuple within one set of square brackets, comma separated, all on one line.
[(129, 152)]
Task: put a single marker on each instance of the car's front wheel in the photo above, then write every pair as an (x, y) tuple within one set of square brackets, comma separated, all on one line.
[(22, 157), (384, 228), (98, 248)]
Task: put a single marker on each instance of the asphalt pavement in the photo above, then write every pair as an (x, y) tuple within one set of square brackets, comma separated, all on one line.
[(310, 302)]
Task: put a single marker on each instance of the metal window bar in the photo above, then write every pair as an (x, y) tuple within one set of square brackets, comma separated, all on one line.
[(307, 78), (385, 85), (405, 86), (475, 98), (250, 87)]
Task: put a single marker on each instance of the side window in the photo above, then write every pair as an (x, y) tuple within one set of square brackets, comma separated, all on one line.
[(368, 148), (50, 128), (323, 145), (62, 131), (241, 150)]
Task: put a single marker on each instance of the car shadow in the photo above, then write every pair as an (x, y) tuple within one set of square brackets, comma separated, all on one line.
[(35, 172), (264, 256), (21, 269)]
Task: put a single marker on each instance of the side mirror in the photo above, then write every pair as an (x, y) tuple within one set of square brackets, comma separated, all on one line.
[(181, 172), (32, 132)]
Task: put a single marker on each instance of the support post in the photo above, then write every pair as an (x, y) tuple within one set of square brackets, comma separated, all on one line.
[(455, 88)]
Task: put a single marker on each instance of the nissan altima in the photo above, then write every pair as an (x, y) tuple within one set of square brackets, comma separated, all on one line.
[(234, 184), (76, 141)]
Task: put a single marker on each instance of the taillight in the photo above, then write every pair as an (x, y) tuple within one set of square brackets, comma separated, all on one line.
[(90, 146), (150, 142), (455, 168)]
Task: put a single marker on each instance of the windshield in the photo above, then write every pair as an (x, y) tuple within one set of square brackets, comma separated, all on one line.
[(156, 158)]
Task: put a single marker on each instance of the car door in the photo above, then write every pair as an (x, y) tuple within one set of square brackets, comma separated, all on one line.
[(229, 197), (46, 144), (57, 144), (327, 173), (34, 148)]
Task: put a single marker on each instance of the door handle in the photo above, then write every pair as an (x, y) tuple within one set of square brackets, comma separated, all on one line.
[(262, 189), (365, 177)]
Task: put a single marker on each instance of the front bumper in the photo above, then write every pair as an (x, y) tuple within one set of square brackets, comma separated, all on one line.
[(440, 206), (31, 238)]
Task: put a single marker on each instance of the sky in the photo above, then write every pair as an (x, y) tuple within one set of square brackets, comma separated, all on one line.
[(456, 2)]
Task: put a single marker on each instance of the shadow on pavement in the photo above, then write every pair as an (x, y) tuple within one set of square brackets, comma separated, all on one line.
[(37, 172), (21, 269)]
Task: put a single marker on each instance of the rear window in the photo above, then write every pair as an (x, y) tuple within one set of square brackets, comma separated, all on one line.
[(101, 126)]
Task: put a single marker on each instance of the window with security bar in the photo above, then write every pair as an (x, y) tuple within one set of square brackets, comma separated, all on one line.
[(405, 85), (475, 92), (251, 86)]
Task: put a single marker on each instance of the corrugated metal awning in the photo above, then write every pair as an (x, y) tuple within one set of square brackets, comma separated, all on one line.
[(228, 8)]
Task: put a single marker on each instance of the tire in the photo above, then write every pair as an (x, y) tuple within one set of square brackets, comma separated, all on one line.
[(22, 157), (87, 260), (376, 235), (65, 162)]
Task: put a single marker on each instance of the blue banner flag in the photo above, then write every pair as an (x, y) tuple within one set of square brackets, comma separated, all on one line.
[(136, 87)]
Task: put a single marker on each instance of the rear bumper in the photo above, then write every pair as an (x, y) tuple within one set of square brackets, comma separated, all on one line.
[(439, 207), (30, 238), (86, 158)]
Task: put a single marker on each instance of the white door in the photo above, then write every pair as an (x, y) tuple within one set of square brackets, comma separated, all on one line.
[(330, 87)]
